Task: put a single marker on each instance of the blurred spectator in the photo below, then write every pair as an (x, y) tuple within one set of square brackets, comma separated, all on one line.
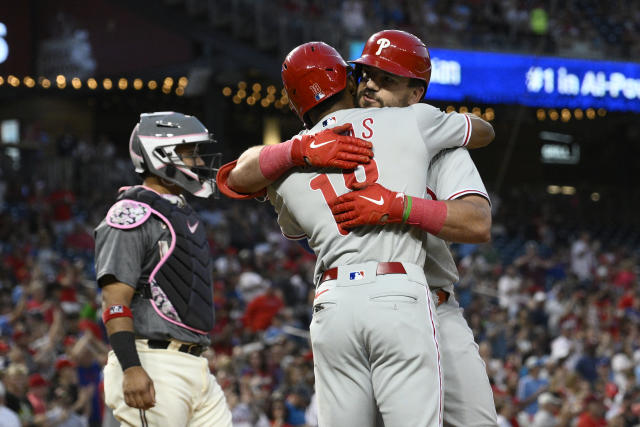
[(262, 309), (16, 384), (593, 414), (582, 258), (8, 418), (297, 402), (531, 386), (37, 393), (508, 290), (278, 414), (549, 414)]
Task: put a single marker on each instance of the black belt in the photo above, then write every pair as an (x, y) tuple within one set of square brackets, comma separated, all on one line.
[(194, 349)]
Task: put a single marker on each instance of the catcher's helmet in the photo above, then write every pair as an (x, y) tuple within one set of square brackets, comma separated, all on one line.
[(152, 148), (311, 73), (397, 52)]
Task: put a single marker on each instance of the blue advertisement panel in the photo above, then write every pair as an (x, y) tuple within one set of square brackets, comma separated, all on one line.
[(535, 81)]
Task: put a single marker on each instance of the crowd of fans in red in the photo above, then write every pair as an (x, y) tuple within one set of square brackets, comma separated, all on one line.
[(555, 312)]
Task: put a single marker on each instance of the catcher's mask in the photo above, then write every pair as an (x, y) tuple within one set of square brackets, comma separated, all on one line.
[(177, 148)]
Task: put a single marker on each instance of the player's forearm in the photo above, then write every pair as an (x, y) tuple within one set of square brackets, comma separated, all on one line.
[(118, 319), (467, 221), (114, 295), (482, 133), (247, 176)]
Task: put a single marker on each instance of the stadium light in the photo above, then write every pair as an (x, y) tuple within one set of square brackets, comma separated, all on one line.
[(227, 91), (553, 189)]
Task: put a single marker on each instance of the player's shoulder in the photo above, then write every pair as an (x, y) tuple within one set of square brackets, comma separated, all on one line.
[(425, 109), (126, 214)]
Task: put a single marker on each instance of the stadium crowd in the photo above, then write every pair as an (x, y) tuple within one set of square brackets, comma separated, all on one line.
[(581, 28), (556, 313)]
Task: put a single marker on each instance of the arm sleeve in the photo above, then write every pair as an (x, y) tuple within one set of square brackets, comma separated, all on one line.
[(288, 224), (222, 178), (119, 253), (452, 174), (441, 130)]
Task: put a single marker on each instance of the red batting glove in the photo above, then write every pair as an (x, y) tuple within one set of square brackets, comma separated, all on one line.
[(329, 149), (373, 205)]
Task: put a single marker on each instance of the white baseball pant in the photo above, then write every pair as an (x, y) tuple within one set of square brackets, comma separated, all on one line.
[(187, 394)]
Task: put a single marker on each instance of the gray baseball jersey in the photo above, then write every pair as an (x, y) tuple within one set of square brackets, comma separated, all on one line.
[(403, 140), (386, 356), (468, 398), (452, 174), (130, 256)]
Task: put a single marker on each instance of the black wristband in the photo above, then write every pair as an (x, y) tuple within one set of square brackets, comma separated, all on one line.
[(123, 344)]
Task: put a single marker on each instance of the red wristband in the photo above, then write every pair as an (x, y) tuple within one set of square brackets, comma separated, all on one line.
[(114, 311), (429, 215), (276, 160)]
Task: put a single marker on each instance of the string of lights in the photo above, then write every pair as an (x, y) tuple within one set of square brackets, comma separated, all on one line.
[(167, 85)]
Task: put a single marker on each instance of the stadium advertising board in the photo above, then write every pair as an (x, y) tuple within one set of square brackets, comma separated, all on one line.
[(535, 81)]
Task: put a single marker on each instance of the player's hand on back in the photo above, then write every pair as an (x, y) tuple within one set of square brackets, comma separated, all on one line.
[(330, 148), (373, 205), (138, 388)]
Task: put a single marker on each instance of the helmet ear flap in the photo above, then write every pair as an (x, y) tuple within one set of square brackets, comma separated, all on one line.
[(170, 171)]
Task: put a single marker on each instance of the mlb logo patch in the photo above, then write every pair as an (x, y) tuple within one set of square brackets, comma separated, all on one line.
[(329, 121), (116, 309), (356, 275)]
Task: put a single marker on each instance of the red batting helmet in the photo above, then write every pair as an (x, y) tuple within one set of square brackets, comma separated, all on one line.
[(397, 52), (311, 73)]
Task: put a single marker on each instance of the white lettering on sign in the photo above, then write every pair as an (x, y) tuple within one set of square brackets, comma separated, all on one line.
[(445, 72), (384, 43), (592, 83), (564, 154), (4, 47)]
